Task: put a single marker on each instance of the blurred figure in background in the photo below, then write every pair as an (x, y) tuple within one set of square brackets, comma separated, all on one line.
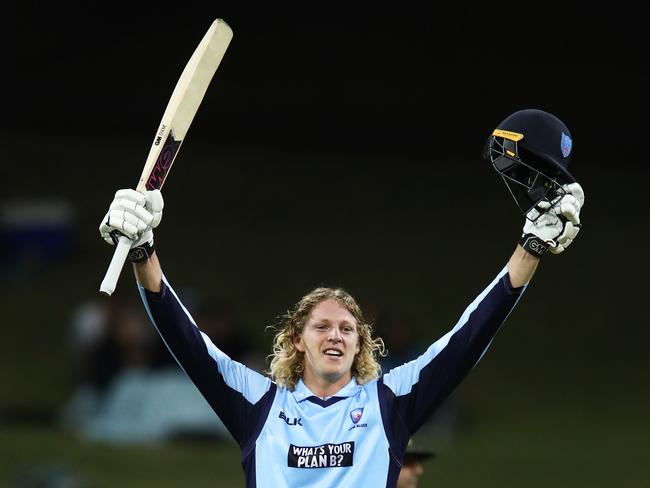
[(128, 387), (106, 338), (412, 468)]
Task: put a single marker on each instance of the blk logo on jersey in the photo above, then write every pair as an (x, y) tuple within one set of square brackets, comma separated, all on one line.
[(290, 421), (325, 456)]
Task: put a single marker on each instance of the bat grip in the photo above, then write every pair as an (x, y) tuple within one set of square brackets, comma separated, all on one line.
[(115, 268)]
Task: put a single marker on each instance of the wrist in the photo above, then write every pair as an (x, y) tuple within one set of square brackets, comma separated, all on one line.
[(533, 245), (149, 274), (521, 267), (141, 252)]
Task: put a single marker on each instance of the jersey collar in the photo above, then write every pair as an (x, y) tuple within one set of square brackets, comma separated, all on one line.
[(301, 392)]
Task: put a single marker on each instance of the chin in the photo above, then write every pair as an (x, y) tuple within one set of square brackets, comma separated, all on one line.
[(335, 375), (332, 376)]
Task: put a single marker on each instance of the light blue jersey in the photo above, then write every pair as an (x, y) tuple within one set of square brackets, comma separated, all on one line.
[(356, 437)]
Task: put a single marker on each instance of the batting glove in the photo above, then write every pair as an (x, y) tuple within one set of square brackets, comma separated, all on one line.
[(134, 215), (552, 226)]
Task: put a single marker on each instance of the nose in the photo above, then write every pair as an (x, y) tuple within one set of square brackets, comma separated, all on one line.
[(335, 335)]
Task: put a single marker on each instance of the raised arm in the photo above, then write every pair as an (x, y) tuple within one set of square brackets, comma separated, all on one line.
[(415, 389), (235, 392), (232, 390)]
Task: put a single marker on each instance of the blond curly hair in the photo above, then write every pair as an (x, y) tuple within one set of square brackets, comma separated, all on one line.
[(287, 363)]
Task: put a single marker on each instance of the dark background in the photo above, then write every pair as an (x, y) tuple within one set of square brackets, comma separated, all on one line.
[(339, 145), (354, 78)]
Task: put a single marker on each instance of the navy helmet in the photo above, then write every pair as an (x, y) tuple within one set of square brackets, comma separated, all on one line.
[(531, 150)]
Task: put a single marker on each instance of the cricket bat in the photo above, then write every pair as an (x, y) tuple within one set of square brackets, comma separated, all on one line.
[(176, 120)]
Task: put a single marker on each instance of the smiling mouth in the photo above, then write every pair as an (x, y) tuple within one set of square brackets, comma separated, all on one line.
[(333, 353)]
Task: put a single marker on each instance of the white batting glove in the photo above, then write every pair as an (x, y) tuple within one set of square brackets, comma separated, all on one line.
[(552, 226), (134, 215)]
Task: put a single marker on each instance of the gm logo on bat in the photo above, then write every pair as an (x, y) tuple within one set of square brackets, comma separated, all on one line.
[(156, 142)]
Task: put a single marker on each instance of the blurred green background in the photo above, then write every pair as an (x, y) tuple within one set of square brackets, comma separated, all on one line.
[(312, 162)]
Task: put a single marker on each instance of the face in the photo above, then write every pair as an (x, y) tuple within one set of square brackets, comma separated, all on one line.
[(409, 474), (330, 341)]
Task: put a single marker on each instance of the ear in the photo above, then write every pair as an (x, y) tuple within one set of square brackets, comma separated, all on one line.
[(297, 341)]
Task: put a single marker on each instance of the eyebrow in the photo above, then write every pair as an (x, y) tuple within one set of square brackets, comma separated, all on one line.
[(317, 320)]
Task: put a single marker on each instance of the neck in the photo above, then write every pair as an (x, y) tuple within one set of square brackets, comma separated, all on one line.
[(325, 387)]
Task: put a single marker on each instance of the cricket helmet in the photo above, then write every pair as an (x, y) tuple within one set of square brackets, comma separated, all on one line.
[(531, 150)]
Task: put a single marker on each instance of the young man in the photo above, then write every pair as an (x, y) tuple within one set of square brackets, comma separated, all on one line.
[(327, 416)]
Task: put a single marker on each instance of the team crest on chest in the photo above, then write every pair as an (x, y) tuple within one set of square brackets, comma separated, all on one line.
[(356, 415)]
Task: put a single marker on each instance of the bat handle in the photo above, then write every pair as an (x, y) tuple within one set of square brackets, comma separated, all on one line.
[(115, 268)]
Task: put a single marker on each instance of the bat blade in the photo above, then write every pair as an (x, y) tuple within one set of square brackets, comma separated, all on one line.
[(176, 120), (183, 105)]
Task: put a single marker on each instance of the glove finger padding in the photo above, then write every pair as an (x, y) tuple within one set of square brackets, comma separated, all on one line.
[(547, 226), (105, 230), (553, 226), (127, 223), (130, 194), (155, 205), (565, 239), (134, 215), (120, 223), (576, 190), (569, 208), (568, 234), (131, 208)]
